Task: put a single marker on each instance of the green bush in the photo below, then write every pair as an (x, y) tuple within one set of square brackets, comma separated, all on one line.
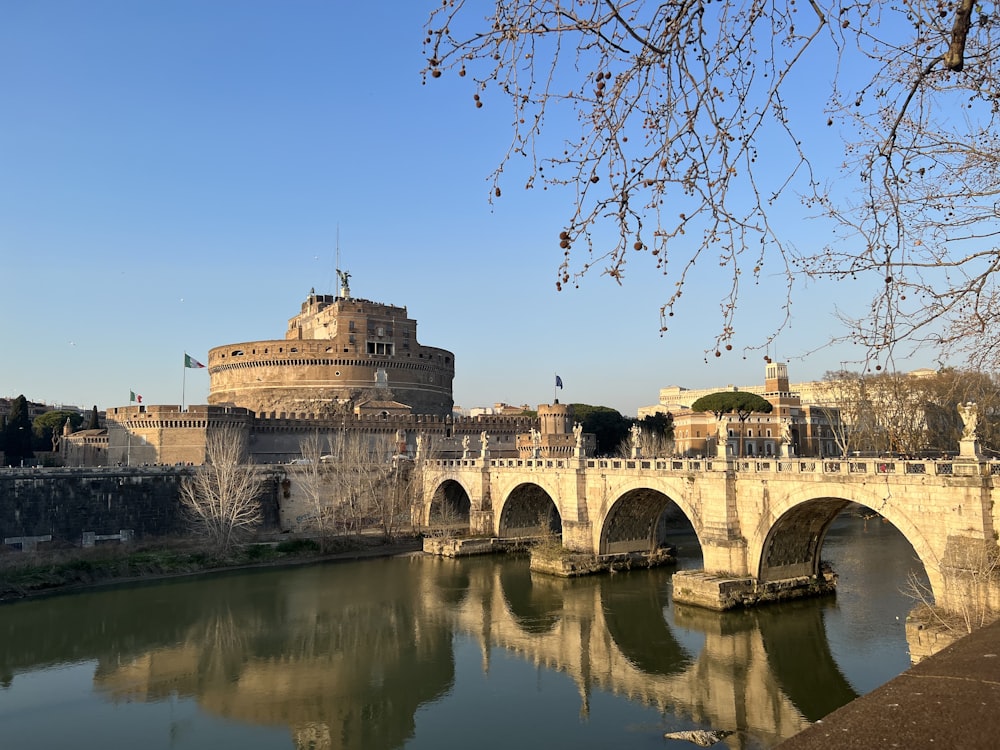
[(259, 552), (297, 546)]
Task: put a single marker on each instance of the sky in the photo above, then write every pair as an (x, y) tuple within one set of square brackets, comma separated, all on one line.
[(176, 176)]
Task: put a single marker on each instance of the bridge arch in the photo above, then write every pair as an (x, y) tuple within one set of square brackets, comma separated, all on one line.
[(638, 520), (450, 504), (788, 541), (529, 510)]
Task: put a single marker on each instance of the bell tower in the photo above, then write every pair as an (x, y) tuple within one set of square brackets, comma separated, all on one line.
[(776, 378)]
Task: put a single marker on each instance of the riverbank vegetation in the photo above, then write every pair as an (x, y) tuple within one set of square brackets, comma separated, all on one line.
[(28, 574)]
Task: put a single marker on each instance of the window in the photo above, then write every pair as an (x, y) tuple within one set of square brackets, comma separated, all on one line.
[(380, 348)]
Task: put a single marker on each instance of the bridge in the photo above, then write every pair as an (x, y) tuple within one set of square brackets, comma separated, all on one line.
[(760, 522)]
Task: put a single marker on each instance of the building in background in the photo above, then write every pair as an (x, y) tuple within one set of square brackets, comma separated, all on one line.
[(792, 428)]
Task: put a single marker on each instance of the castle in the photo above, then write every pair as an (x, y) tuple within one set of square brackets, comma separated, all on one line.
[(337, 350), (344, 364)]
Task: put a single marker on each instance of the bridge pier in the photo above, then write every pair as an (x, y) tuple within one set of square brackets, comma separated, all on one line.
[(577, 535), (481, 522)]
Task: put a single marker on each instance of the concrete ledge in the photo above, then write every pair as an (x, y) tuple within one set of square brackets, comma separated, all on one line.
[(468, 546), (454, 547), (721, 593), (574, 565), (949, 700)]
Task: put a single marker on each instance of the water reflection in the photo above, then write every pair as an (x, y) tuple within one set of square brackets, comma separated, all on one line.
[(347, 655)]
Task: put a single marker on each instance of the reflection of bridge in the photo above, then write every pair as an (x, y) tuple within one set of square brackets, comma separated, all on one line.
[(761, 522), (765, 675), (303, 648)]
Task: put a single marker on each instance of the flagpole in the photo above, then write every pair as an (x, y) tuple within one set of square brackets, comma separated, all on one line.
[(184, 380)]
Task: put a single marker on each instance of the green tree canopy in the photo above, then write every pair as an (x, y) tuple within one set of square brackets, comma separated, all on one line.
[(17, 433), (51, 422), (607, 424), (661, 425), (740, 403)]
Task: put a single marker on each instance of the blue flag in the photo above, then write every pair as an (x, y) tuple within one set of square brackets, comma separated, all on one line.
[(558, 382)]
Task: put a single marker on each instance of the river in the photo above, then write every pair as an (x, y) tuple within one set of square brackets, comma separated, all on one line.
[(422, 652)]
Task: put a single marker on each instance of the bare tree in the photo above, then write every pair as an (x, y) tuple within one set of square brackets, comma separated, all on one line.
[(879, 413), (222, 496), (973, 583), (315, 476), (370, 489), (909, 412), (696, 129), (944, 392)]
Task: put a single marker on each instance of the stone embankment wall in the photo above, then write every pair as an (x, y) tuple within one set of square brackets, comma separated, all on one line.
[(56, 507)]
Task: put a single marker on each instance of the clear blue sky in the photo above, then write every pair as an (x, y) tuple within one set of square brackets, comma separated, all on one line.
[(174, 177)]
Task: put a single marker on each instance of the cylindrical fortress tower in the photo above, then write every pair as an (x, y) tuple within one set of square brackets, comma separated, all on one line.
[(335, 349), (555, 419)]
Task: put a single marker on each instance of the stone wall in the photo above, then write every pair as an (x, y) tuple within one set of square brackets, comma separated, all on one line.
[(166, 435), (65, 503)]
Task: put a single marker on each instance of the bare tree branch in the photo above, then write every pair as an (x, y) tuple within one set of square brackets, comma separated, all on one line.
[(689, 143)]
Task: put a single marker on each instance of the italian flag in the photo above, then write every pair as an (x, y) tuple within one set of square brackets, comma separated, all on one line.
[(132, 398), (190, 361)]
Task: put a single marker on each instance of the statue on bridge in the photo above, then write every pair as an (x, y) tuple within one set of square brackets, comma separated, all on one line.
[(536, 443), (722, 438), (484, 443), (969, 413), (465, 446), (968, 446), (786, 438), (636, 433)]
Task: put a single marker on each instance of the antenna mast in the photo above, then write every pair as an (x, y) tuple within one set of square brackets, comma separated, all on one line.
[(343, 276)]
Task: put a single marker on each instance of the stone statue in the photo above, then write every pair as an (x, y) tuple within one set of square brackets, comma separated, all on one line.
[(465, 443), (578, 434), (723, 431), (636, 432), (786, 431), (420, 445), (345, 287), (536, 442), (969, 413), (484, 441)]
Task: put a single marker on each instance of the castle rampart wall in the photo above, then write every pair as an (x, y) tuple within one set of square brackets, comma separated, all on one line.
[(65, 503), (266, 376)]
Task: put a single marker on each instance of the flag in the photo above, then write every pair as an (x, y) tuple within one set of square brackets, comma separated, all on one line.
[(132, 398), (190, 361), (558, 382)]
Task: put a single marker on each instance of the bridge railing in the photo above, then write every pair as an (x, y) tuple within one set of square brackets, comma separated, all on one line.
[(850, 466)]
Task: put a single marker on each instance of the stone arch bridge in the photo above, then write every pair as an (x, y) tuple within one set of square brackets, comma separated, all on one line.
[(760, 523)]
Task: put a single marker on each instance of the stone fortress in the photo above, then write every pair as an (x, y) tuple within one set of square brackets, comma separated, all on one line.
[(334, 351), (344, 364)]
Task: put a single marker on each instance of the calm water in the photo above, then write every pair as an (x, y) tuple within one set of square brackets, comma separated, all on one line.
[(420, 652)]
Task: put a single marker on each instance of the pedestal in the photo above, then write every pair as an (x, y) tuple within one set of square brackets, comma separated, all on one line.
[(969, 448)]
